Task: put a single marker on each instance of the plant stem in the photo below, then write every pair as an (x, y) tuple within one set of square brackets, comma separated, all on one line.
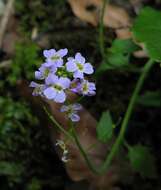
[(101, 30), (101, 169), (83, 152), (129, 111), (124, 125), (58, 125)]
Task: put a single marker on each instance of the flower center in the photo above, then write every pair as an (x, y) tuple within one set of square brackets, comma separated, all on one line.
[(57, 87), (80, 66), (55, 57), (85, 87), (70, 110), (46, 72), (38, 89), (62, 72)]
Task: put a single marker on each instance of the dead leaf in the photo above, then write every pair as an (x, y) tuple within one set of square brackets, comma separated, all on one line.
[(114, 17), (123, 33), (86, 131), (77, 168)]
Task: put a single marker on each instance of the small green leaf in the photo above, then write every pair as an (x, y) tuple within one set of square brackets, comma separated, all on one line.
[(120, 51), (142, 161), (123, 46), (150, 99), (118, 60), (118, 55), (105, 127), (147, 29)]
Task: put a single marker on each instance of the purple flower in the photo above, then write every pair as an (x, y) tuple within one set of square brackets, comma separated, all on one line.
[(87, 88), (44, 71), (56, 87), (75, 86), (38, 88), (54, 57), (71, 111), (78, 66)]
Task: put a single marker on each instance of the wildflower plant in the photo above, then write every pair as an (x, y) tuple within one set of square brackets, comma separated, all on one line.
[(60, 75)]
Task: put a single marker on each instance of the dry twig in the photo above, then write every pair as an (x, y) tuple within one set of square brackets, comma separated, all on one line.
[(5, 19)]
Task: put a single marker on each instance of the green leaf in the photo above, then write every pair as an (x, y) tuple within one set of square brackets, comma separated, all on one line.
[(142, 161), (105, 127), (147, 29), (118, 60), (118, 55), (120, 51), (150, 99), (123, 46)]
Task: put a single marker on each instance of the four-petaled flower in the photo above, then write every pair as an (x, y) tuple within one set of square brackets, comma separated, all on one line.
[(44, 71), (38, 89), (78, 66), (54, 57), (87, 88), (55, 88), (71, 111)]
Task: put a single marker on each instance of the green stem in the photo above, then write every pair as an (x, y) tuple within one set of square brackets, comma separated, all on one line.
[(124, 125), (83, 152), (129, 111), (57, 124), (101, 30)]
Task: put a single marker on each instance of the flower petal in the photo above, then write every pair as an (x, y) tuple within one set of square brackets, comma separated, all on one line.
[(77, 106), (92, 86), (78, 74), (62, 52), (79, 58), (51, 79), (74, 117), (50, 93), (48, 63), (70, 59), (71, 66), (64, 82), (60, 97), (88, 69), (49, 53), (64, 108), (59, 62), (38, 75), (33, 84)]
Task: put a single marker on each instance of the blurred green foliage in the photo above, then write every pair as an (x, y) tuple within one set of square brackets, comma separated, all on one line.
[(25, 62), (16, 121), (118, 56), (142, 161), (148, 33), (38, 13), (25, 155)]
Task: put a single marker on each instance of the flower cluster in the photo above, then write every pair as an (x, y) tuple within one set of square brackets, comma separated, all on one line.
[(58, 77)]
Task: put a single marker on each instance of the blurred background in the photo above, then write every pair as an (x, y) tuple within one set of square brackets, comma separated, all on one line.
[(28, 160)]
